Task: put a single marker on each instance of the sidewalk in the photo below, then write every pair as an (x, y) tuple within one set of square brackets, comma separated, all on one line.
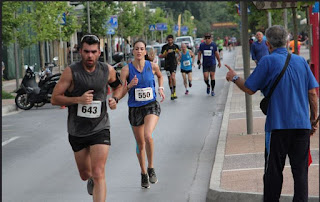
[(238, 169), (8, 105)]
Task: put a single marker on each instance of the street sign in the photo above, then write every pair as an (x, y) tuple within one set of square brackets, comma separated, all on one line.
[(152, 27), (176, 28), (110, 31), (184, 29), (113, 21), (161, 26)]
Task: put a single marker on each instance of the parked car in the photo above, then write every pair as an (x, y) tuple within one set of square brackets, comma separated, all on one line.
[(188, 40), (197, 43)]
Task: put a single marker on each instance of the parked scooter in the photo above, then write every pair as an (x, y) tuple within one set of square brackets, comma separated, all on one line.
[(31, 93)]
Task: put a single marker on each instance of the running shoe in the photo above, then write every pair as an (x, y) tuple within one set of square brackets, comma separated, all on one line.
[(187, 92), (90, 185), (190, 84), (212, 93), (152, 176), (208, 90), (145, 181), (174, 95)]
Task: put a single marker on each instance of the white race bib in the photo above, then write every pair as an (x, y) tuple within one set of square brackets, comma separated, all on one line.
[(143, 94), (92, 110), (207, 52), (186, 63)]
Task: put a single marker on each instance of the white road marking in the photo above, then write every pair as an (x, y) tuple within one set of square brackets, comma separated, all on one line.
[(10, 140)]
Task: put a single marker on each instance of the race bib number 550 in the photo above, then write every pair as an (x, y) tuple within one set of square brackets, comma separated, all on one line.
[(143, 94), (92, 110)]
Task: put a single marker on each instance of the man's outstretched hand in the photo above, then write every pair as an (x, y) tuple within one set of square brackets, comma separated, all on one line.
[(230, 73)]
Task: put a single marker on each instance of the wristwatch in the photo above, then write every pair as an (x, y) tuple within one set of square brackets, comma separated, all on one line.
[(236, 77), (116, 99)]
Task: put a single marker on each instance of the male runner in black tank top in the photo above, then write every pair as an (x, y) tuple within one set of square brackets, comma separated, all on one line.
[(171, 52), (83, 88)]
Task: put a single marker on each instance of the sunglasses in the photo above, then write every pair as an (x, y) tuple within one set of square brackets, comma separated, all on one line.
[(207, 37), (91, 38)]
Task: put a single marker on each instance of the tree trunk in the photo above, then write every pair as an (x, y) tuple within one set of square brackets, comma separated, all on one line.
[(22, 62), (41, 54)]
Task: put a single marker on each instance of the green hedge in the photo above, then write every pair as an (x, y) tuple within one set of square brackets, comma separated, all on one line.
[(6, 95)]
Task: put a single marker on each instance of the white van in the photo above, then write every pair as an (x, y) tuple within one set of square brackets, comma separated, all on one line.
[(188, 40)]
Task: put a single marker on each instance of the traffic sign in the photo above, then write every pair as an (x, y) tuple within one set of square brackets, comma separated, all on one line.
[(161, 26), (110, 31), (184, 28), (113, 21), (152, 27), (176, 28)]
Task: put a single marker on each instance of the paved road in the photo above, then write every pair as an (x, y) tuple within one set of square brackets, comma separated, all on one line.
[(38, 163)]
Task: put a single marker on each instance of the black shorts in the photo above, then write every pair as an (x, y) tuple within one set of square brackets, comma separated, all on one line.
[(186, 71), (79, 143), (211, 68), (137, 114), (170, 69), (220, 50)]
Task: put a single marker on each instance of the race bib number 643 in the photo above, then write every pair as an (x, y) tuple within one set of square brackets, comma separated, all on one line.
[(92, 110), (143, 94)]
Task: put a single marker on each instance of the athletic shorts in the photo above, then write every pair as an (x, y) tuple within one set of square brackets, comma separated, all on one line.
[(209, 68), (186, 71), (220, 50), (137, 114), (170, 70), (79, 143)]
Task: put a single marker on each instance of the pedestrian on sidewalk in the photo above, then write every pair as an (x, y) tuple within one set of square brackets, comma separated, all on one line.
[(210, 52), (186, 61), (170, 52), (288, 119), (259, 48), (83, 88), (144, 109)]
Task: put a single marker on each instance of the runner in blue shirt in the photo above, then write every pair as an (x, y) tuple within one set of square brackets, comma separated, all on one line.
[(186, 63), (209, 51), (288, 119), (144, 109)]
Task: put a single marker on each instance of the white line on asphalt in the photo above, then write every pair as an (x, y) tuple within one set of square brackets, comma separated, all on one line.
[(10, 140), (261, 168)]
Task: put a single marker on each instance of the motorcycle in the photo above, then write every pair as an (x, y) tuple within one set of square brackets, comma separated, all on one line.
[(32, 93)]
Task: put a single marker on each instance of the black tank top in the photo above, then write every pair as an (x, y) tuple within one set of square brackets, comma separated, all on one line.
[(84, 81)]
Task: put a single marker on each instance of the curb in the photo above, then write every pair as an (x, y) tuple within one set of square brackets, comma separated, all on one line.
[(7, 109)]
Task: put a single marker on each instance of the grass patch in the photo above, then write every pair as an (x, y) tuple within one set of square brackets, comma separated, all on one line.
[(6, 95)]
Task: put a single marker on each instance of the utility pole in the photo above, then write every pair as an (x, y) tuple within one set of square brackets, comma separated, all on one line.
[(88, 13), (246, 61)]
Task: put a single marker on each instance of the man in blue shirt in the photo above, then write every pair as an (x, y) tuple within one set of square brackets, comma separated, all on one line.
[(259, 48), (288, 119), (210, 53)]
